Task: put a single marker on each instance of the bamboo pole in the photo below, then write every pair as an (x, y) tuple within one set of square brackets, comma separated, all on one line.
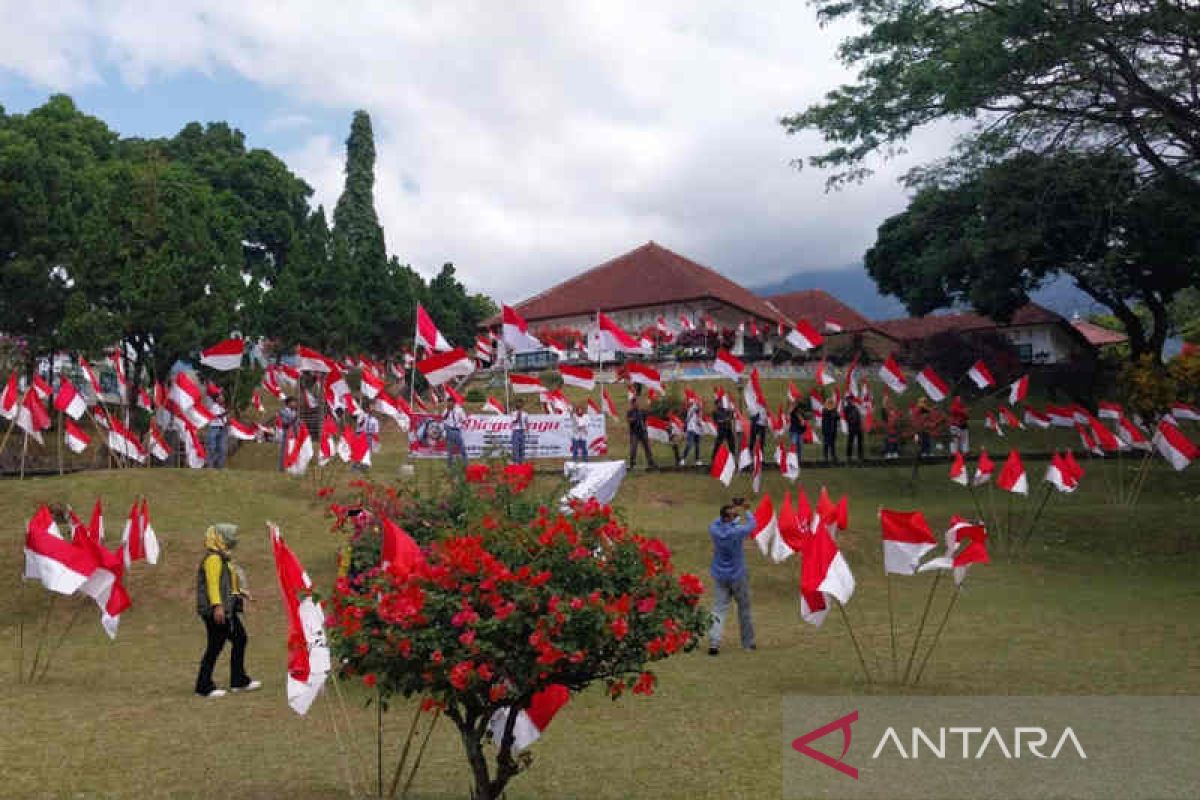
[(854, 640), (937, 635), (62, 638), (892, 625), (61, 435), (37, 654), (921, 626), (1037, 515), (412, 729), (24, 451), (420, 753)]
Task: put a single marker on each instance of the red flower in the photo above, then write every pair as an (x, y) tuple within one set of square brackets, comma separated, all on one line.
[(460, 675), (478, 473), (369, 680), (619, 628), (691, 584), (467, 637), (497, 692), (645, 684), (646, 604), (436, 657), (485, 672), (576, 603), (324, 491)]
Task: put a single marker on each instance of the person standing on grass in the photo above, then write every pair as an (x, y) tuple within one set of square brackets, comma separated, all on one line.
[(891, 430), (829, 431), (723, 420), (693, 426), (220, 592), (923, 423), (579, 434), (453, 419), (729, 575), (638, 436), (289, 418), (217, 427), (797, 427), (519, 421), (854, 428), (367, 425), (758, 428), (960, 439)]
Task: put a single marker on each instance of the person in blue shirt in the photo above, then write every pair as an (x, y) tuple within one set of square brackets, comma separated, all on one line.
[(729, 573)]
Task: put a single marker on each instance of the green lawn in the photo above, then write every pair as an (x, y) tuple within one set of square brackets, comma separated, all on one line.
[(1104, 602)]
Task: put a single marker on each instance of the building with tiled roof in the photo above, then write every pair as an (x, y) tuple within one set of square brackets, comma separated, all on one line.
[(818, 307), (1098, 336)]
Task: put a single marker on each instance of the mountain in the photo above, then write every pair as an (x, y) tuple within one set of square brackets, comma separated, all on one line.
[(853, 286)]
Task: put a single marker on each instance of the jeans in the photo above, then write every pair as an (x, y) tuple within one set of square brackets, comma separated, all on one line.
[(232, 631), (217, 437), (518, 447), (924, 444), (692, 446), (797, 443), (960, 441), (829, 445), (639, 439), (579, 450), (726, 592), (455, 447)]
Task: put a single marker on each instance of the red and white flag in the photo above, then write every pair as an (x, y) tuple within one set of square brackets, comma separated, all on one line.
[(723, 466), (789, 462), (31, 416), (1073, 471), (309, 360), (106, 584), (1060, 417), (804, 336), (1089, 442), (355, 447), (610, 408), (400, 554), (532, 721), (766, 526), (52, 560), (824, 376), (494, 406), (442, 367), (308, 661), (1018, 389), (891, 374), (579, 377), (138, 540), (75, 438), (516, 332), (966, 544), (484, 348), (824, 574), (121, 440), (1036, 418), (224, 355), (906, 540), (41, 388), (1132, 434), (658, 430), (645, 375), (933, 385), (833, 326), (984, 469), (1181, 410), (298, 451), (427, 333), (756, 472), (980, 375), (958, 470), (1059, 475), (525, 384), (156, 444), (371, 383), (10, 398), (1009, 418), (256, 402), (395, 407), (1174, 446), (1107, 440), (1012, 475), (755, 397), (990, 424), (613, 339), (1109, 410), (729, 365), (242, 430), (143, 399), (329, 444), (184, 392), (685, 323), (193, 449), (90, 374)]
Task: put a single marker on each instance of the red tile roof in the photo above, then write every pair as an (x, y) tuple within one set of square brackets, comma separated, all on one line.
[(647, 276), (1098, 336), (816, 306), (912, 328)]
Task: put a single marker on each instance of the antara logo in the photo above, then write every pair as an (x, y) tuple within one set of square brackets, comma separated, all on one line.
[(1033, 740)]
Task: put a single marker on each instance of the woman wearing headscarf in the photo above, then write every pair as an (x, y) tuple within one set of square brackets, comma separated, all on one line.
[(220, 590)]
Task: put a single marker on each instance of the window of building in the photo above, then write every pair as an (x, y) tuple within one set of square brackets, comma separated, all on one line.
[(1025, 353)]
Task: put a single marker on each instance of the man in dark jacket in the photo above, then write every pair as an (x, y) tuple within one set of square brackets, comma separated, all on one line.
[(636, 418), (854, 428), (723, 420), (829, 430)]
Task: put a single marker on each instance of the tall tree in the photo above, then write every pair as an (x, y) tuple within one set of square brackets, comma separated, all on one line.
[(354, 219)]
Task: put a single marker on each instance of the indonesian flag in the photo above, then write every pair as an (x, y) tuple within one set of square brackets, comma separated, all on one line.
[(794, 395), (224, 355), (185, 393), (980, 375), (1080, 415), (310, 400), (256, 402), (791, 538), (428, 335), (933, 385), (833, 326), (143, 399), (804, 336), (31, 416), (442, 367), (984, 469), (156, 444), (647, 376), (483, 347), (76, 439), (789, 463), (756, 473), (10, 398), (1181, 410), (958, 470), (753, 329), (400, 554), (1012, 475), (269, 383), (823, 377), (756, 399), (766, 526), (966, 544), (1018, 389), (525, 384), (609, 407), (453, 394), (329, 444), (1108, 410), (1059, 476), (336, 390), (729, 365), (370, 383), (1177, 449), (106, 583), (1010, 419), (532, 721), (90, 374), (309, 360), (242, 431), (1131, 434), (138, 540), (355, 447), (1089, 442), (685, 323), (906, 540), (559, 351), (516, 332), (122, 440), (710, 324), (593, 408), (193, 448), (493, 406), (613, 338), (891, 374), (579, 377), (1104, 437), (1073, 470), (658, 430), (723, 466), (52, 560), (1060, 417), (990, 423), (395, 407), (298, 451), (308, 654), (707, 426), (824, 573), (816, 401)]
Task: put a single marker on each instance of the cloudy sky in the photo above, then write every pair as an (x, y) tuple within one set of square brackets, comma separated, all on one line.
[(524, 141)]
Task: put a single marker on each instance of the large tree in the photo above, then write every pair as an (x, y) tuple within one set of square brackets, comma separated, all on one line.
[(994, 236)]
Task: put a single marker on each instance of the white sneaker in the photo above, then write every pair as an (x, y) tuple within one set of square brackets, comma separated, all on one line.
[(215, 693), (249, 687)]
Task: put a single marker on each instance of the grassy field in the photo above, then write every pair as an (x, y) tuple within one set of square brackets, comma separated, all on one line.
[(1105, 601)]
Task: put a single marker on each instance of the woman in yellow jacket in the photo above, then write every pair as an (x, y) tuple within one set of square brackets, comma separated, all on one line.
[(219, 597)]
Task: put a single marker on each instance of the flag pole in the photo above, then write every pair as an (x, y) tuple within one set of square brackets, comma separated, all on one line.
[(937, 635), (854, 639), (975, 499), (921, 625), (420, 752), (1037, 515), (892, 625), (1141, 482), (24, 450), (408, 740), (61, 435)]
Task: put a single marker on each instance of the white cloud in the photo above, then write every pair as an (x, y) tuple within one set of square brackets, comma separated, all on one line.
[(523, 141)]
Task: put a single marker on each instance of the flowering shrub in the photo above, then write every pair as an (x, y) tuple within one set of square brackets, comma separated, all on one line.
[(505, 606)]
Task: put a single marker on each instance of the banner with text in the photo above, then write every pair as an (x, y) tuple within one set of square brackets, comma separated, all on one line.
[(484, 435)]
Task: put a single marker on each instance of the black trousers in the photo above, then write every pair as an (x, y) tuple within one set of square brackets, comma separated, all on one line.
[(829, 446), (724, 435), (852, 437), (636, 439), (234, 632), (758, 434)]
